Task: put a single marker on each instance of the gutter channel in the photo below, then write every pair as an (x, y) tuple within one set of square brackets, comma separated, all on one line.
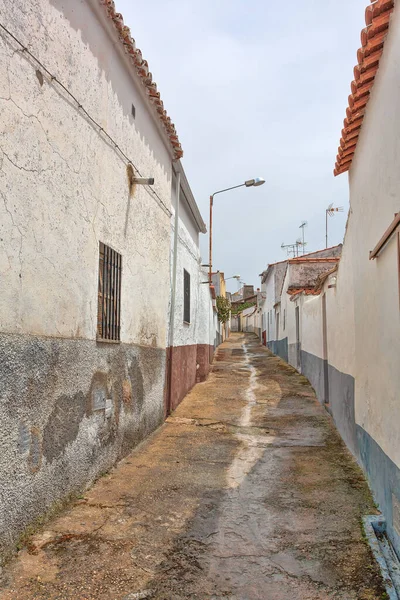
[(375, 531)]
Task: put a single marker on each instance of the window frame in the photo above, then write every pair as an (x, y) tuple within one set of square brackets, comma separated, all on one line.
[(109, 295)]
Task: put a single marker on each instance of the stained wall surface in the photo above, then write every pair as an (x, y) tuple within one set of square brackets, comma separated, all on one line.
[(70, 406)]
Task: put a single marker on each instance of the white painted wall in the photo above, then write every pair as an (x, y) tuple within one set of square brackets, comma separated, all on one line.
[(202, 327), (311, 321), (374, 198), (289, 308), (268, 289), (69, 188), (340, 308)]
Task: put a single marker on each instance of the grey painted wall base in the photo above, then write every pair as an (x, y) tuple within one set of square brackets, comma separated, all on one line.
[(280, 348), (340, 394), (384, 477), (69, 410), (313, 369), (382, 473), (294, 352)]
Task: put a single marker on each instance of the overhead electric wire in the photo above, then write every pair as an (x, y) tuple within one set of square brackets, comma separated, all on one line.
[(88, 116)]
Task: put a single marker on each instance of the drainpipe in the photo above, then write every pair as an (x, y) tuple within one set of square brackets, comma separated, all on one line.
[(173, 290)]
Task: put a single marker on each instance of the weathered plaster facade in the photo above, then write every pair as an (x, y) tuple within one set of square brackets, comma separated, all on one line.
[(191, 347), (70, 406), (374, 198)]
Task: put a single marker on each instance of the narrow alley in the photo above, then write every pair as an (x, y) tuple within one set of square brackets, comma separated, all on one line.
[(246, 492)]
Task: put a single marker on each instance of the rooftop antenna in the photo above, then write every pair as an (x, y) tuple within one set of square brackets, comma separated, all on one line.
[(302, 226), (331, 212), (298, 244), (290, 249)]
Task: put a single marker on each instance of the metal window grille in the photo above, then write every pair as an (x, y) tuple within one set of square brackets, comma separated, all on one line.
[(186, 296), (109, 295)]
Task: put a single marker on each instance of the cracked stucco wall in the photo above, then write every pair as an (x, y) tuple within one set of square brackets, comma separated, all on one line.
[(70, 407)]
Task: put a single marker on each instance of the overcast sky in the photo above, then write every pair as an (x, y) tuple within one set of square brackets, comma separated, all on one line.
[(256, 89)]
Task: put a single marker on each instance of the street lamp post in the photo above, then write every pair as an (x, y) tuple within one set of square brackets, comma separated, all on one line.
[(249, 183)]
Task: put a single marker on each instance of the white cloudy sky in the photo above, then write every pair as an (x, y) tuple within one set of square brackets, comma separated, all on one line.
[(256, 88)]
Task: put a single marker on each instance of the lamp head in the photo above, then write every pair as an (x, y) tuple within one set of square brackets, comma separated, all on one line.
[(254, 182)]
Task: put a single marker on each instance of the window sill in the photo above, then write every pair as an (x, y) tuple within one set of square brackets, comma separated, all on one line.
[(186, 323), (100, 340)]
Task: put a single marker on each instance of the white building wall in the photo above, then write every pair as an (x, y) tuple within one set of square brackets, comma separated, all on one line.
[(311, 309), (360, 367), (287, 334), (268, 288), (69, 406), (64, 188), (374, 198), (340, 308)]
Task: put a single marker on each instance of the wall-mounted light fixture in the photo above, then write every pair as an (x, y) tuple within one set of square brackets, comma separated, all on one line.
[(143, 180)]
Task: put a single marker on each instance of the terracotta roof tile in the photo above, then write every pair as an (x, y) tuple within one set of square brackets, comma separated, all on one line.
[(377, 19), (311, 259), (142, 69), (307, 291)]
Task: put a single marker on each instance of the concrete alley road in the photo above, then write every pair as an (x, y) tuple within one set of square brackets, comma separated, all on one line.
[(246, 493)]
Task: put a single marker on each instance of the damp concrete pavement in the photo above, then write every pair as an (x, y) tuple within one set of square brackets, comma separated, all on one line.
[(245, 493)]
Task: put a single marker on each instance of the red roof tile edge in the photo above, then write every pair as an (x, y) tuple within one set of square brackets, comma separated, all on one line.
[(142, 69), (377, 19)]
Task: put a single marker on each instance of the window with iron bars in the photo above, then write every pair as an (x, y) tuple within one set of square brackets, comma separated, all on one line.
[(109, 294)]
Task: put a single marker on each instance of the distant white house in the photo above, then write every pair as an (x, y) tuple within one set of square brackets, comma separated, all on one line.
[(281, 281), (271, 289)]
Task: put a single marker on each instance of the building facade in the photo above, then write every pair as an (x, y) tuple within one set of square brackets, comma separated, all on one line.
[(348, 317), (367, 400), (84, 252), (271, 288), (193, 328)]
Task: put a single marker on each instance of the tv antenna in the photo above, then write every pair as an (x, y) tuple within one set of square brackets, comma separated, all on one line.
[(330, 211), (303, 226)]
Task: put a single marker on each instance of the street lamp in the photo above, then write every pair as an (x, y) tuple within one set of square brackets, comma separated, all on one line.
[(233, 277), (249, 183)]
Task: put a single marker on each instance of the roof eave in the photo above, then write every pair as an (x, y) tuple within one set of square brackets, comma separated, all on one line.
[(377, 19), (140, 70)]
